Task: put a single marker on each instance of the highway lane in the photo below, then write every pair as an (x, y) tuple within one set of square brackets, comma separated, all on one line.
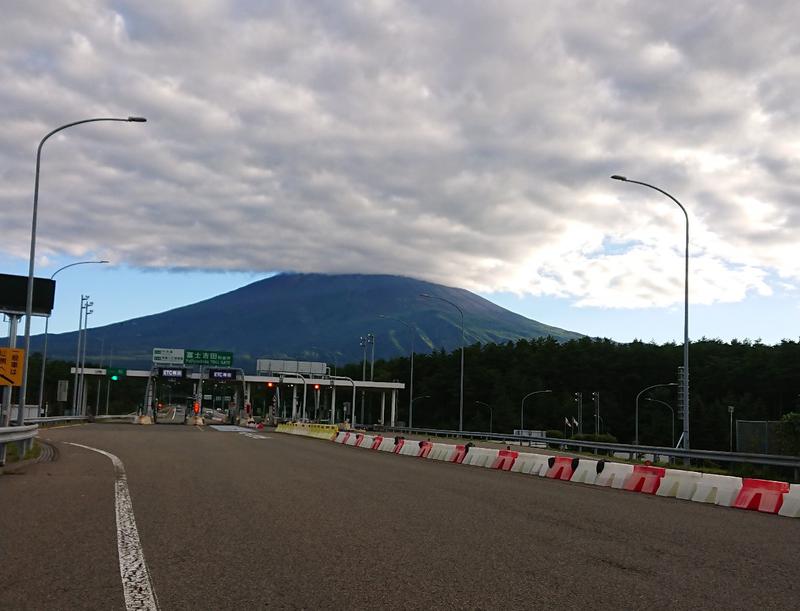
[(229, 521)]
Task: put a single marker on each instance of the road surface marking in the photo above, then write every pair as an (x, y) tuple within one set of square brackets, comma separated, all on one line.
[(136, 582)]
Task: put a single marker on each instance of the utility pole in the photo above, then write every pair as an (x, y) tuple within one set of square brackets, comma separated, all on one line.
[(579, 401), (84, 299)]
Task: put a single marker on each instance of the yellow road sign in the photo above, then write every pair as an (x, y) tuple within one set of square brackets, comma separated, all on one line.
[(11, 366)]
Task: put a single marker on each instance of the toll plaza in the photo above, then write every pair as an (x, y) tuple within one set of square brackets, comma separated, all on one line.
[(226, 395)]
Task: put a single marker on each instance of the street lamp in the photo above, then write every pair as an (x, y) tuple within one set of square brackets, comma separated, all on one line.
[(47, 324), (490, 413), (461, 393), (671, 411), (29, 302), (411, 407), (685, 309), (641, 392), (522, 407), (413, 330)]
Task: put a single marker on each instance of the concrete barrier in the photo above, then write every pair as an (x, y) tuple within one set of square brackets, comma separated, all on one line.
[(718, 489), (679, 484), (612, 474), (530, 464), (585, 472), (791, 502), (376, 442)]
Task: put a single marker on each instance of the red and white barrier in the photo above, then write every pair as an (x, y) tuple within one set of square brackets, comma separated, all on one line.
[(387, 445), (585, 472), (425, 448), (679, 484), (791, 502), (442, 451), (761, 495), (612, 474), (561, 467), (341, 437), (644, 479), (459, 454), (505, 460), (366, 442), (409, 447), (718, 489), (480, 457), (530, 464), (354, 439)]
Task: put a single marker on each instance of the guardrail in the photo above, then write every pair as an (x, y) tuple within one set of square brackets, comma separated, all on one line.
[(54, 419), (16, 434), (774, 460)]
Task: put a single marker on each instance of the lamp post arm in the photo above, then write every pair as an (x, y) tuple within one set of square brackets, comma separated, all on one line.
[(641, 392), (29, 302)]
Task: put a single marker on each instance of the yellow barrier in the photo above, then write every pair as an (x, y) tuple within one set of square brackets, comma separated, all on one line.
[(307, 429)]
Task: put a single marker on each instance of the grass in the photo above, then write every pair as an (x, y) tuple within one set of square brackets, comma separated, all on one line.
[(12, 452)]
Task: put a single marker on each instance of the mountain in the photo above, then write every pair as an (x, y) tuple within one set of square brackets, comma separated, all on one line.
[(311, 317)]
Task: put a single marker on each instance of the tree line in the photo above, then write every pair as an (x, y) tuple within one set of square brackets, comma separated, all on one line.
[(761, 382)]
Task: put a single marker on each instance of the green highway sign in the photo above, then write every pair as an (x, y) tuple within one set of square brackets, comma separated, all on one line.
[(115, 373), (212, 358)]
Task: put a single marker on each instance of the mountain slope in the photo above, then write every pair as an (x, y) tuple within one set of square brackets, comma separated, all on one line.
[(313, 317)]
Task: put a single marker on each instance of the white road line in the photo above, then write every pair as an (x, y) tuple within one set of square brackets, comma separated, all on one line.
[(136, 582)]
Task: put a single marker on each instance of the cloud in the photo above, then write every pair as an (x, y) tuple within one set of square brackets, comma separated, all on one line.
[(467, 143)]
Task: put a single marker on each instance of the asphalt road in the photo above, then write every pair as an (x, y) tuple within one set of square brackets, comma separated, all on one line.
[(231, 521)]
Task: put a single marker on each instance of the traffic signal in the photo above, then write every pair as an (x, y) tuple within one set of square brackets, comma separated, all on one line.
[(316, 386), (270, 384), (115, 374)]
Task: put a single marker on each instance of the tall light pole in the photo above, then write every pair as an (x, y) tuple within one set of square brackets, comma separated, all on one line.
[(413, 330), (371, 340), (82, 379), (522, 406), (461, 393), (641, 392), (47, 324), (29, 302), (671, 411), (731, 409), (685, 309), (490, 413)]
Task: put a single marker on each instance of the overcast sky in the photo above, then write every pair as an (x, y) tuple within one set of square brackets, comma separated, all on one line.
[(466, 143)]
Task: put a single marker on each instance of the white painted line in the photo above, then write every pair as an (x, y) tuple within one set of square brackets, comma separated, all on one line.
[(136, 582)]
